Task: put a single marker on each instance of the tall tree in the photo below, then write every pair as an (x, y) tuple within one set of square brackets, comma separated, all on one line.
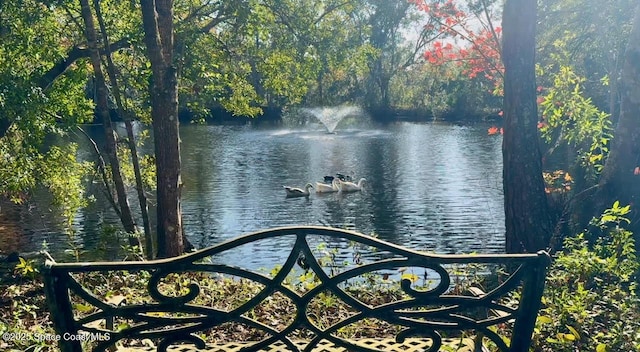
[(527, 218), (620, 177), (131, 140), (157, 16), (102, 109), (295, 42), (386, 24), (465, 40)]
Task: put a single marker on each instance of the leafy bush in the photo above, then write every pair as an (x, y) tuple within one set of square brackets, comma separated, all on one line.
[(24, 318), (590, 301)]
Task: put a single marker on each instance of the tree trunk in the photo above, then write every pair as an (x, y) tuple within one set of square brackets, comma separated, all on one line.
[(102, 110), (527, 218), (157, 19), (111, 71), (620, 179)]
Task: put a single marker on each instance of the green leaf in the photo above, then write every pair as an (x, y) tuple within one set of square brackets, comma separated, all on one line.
[(573, 331), (543, 319), (601, 348), (83, 308)]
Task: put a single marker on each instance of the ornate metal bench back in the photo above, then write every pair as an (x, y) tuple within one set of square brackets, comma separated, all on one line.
[(439, 310)]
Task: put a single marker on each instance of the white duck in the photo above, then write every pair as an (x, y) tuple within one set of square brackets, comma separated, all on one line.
[(346, 186), (322, 187), (298, 192)]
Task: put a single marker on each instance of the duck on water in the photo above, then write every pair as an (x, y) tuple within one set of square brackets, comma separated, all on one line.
[(293, 192)]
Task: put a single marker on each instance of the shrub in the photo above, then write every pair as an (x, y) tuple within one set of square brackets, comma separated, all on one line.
[(590, 301)]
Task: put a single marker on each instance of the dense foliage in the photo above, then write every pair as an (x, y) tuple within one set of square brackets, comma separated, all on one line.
[(590, 301), (33, 108)]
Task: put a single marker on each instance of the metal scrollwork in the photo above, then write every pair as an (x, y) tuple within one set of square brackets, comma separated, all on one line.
[(442, 287), (193, 290), (430, 312)]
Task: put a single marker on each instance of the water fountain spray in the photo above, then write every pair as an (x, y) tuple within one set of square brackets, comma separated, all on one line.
[(330, 117)]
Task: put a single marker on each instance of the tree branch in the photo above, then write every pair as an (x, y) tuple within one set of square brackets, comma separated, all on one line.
[(76, 53), (102, 167)]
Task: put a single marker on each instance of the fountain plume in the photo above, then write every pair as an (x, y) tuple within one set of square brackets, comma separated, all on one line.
[(331, 116)]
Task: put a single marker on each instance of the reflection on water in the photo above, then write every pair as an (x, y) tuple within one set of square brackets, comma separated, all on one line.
[(430, 187)]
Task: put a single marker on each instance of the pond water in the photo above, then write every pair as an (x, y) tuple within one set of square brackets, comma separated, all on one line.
[(434, 187)]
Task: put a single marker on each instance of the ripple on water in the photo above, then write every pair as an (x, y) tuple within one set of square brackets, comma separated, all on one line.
[(432, 187)]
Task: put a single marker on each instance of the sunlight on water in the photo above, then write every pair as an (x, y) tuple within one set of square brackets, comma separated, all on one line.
[(282, 132), (432, 187)]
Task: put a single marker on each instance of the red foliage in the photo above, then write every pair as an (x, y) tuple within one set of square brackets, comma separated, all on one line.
[(495, 130), (479, 56)]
